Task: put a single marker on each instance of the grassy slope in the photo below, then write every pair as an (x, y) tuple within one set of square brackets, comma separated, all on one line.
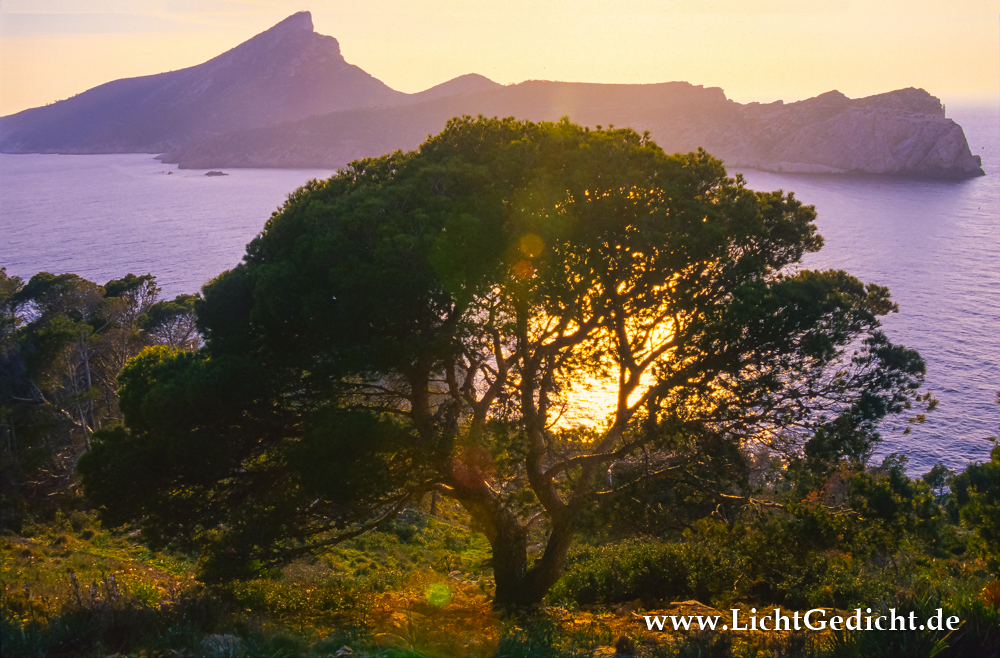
[(419, 588)]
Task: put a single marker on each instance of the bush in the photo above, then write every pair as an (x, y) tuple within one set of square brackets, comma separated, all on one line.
[(624, 571)]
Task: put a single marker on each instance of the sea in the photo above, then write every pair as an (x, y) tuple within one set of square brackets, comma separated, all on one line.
[(935, 244)]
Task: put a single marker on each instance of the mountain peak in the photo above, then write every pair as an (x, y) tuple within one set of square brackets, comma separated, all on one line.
[(833, 97), (916, 101), (285, 40), (285, 73), (296, 29), (298, 22)]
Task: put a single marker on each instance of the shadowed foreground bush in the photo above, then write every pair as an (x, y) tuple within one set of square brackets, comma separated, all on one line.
[(103, 617)]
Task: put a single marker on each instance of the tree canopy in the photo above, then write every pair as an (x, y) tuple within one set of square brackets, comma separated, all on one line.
[(423, 322)]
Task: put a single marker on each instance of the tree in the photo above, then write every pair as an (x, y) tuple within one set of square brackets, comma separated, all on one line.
[(172, 323), (63, 341), (975, 501), (421, 321)]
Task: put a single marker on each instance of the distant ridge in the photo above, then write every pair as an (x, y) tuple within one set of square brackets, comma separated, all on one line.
[(464, 84), (334, 139), (286, 98), (901, 133)]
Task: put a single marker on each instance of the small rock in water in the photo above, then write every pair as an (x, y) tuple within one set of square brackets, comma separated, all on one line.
[(216, 173)]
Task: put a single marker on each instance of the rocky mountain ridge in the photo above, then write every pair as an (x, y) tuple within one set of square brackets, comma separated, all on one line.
[(286, 98)]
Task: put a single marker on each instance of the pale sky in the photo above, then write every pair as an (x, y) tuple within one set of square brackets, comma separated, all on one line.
[(759, 50)]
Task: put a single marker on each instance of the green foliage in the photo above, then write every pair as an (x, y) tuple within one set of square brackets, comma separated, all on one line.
[(318, 606), (172, 322), (853, 540), (937, 479), (621, 572), (721, 564), (164, 392), (93, 618), (63, 341), (976, 501), (893, 507), (972, 639), (538, 640), (337, 441), (288, 600), (540, 637)]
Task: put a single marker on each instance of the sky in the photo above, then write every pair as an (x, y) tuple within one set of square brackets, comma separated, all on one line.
[(756, 50)]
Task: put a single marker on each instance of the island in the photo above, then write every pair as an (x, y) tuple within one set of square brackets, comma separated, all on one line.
[(308, 107)]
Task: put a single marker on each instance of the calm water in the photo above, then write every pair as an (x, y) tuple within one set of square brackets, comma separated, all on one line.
[(936, 245), (102, 216)]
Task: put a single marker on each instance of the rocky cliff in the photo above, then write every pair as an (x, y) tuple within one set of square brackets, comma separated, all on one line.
[(287, 98), (904, 132)]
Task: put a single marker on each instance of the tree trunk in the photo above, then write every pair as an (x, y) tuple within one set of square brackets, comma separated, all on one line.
[(550, 567), (516, 583), (510, 565)]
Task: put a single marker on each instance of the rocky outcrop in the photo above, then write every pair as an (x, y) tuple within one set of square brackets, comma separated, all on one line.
[(287, 98), (903, 132)]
